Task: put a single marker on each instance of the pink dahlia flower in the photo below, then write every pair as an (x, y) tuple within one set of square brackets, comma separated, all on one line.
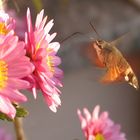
[(14, 66), (42, 52), (99, 127), (7, 23)]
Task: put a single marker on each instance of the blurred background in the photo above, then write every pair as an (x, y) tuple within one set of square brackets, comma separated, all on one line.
[(112, 19)]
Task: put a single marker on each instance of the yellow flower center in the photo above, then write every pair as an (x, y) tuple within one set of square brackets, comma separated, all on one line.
[(3, 74), (99, 137), (49, 63), (48, 59), (3, 29)]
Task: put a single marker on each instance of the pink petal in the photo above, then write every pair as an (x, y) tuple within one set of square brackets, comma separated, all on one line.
[(6, 107), (58, 72), (83, 121), (21, 71), (56, 99), (41, 53), (39, 19), (29, 23), (87, 114), (49, 38), (55, 46), (6, 48), (55, 60), (95, 113), (16, 83), (17, 53), (34, 92), (50, 103), (53, 108), (39, 35), (13, 95), (43, 23), (48, 26)]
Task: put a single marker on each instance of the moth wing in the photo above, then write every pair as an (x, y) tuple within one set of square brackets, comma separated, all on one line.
[(113, 74), (119, 39)]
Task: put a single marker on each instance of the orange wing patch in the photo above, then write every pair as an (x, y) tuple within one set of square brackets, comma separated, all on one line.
[(112, 74)]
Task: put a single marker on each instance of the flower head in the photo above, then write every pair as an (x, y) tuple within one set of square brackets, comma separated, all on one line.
[(14, 66), (99, 127), (7, 23), (42, 52)]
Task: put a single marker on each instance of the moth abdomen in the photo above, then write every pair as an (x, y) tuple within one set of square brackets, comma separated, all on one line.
[(131, 78)]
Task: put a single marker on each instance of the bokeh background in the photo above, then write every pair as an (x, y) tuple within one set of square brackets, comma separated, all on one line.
[(112, 18)]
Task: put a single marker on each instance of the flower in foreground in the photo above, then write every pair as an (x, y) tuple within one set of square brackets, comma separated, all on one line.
[(14, 66), (42, 52), (99, 127)]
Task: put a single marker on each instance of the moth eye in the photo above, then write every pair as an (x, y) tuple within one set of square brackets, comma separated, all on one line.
[(99, 44), (100, 41)]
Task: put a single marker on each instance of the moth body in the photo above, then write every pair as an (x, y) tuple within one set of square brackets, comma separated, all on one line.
[(117, 66)]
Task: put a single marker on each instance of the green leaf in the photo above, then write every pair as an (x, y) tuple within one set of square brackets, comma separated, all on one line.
[(20, 112), (4, 117)]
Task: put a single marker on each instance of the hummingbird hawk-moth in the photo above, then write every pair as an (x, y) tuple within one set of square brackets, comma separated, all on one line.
[(109, 57)]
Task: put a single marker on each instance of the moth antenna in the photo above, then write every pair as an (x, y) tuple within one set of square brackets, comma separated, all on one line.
[(71, 36), (119, 39), (92, 26)]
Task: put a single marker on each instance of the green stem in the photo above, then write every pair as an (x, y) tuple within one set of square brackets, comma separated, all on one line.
[(19, 129)]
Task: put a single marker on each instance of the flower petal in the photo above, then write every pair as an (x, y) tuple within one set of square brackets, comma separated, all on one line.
[(6, 107), (13, 95)]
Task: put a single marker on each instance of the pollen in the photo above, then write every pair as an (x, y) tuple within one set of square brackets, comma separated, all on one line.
[(3, 29), (3, 74), (49, 63), (99, 137)]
